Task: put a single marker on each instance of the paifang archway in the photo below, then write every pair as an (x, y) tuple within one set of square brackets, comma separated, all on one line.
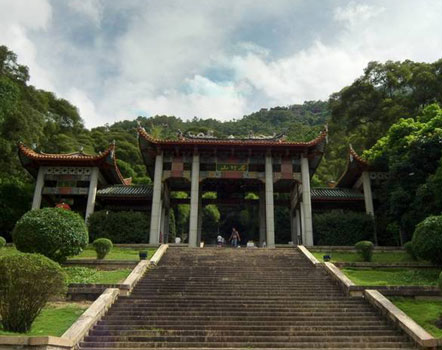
[(261, 165)]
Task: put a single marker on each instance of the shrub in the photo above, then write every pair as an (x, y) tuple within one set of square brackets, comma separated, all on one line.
[(410, 250), (365, 249), (102, 247), (427, 239), (342, 228), (119, 227), (54, 232), (2, 242), (27, 282)]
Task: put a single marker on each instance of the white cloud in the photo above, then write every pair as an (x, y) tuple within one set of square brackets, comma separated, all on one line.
[(17, 18), (354, 13), (207, 58), (92, 9), (85, 106)]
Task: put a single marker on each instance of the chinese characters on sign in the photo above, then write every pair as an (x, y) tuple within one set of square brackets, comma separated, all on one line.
[(231, 167)]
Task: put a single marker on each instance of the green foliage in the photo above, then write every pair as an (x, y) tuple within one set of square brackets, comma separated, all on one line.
[(172, 226), (427, 239), (342, 228), (27, 282), (411, 152), (2, 242), (102, 247), (440, 281), (15, 200), (53, 232), (119, 227), (363, 112), (410, 250), (365, 249)]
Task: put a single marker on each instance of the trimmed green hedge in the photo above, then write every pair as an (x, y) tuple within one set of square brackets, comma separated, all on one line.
[(342, 228), (365, 249), (54, 232), (102, 247), (119, 227), (27, 282), (427, 239)]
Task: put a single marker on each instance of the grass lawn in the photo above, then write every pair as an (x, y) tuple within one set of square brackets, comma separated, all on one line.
[(393, 276), (54, 319), (380, 257), (87, 275), (423, 312), (116, 253)]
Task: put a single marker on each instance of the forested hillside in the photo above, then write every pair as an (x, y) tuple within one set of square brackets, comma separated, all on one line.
[(359, 114)]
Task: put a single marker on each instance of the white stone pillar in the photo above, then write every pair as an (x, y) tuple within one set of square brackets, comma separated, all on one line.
[(270, 214), (368, 196), (38, 190), (155, 216), (194, 199), (307, 202), (93, 183), (262, 217)]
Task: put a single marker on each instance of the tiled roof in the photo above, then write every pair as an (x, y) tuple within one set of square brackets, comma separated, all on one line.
[(73, 157), (353, 170), (231, 142), (335, 194), (354, 156), (133, 191), (106, 161)]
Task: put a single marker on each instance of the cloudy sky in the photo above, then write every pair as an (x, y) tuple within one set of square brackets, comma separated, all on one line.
[(117, 59)]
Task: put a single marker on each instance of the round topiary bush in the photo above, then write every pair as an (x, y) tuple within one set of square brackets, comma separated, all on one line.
[(410, 250), (427, 239), (54, 232), (27, 282), (365, 249), (2, 242), (102, 247)]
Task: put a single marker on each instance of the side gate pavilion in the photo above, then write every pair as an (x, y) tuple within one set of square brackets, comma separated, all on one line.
[(278, 171)]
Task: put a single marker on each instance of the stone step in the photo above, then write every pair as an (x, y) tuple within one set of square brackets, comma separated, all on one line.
[(359, 343), (201, 325), (239, 313), (224, 309), (258, 320), (246, 339), (259, 348), (235, 332), (368, 325), (240, 299)]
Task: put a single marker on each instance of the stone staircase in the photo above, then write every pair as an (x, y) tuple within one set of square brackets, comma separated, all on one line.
[(240, 298)]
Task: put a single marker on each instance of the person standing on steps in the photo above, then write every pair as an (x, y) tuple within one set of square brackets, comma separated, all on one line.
[(234, 238)]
